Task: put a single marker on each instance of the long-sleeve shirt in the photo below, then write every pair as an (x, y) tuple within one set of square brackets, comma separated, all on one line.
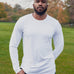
[(39, 56)]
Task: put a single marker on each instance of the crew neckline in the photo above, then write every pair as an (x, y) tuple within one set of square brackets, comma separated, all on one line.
[(39, 20)]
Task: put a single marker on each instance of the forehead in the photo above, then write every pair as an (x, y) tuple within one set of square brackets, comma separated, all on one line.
[(41, 0)]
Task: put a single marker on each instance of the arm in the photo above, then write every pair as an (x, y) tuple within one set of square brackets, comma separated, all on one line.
[(14, 42), (58, 41)]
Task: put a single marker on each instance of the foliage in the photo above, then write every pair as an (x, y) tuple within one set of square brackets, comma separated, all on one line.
[(2, 11), (63, 11), (7, 13), (70, 7), (17, 8), (57, 10), (15, 18), (8, 8)]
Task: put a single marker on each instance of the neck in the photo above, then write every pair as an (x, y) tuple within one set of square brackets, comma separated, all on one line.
[(38, 17)]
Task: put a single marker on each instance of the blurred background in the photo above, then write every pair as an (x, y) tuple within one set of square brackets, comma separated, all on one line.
[(12, 10)]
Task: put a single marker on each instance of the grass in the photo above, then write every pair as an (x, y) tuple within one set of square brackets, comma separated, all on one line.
[(64, 63)]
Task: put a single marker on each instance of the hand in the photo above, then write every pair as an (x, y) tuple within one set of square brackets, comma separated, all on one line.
[(21, 72)]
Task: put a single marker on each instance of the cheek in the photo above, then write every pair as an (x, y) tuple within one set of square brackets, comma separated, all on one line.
[(35, 6), (45, 6)]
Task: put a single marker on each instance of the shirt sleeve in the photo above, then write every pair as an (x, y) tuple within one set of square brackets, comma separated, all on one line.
[(58, 40), (13, 45)]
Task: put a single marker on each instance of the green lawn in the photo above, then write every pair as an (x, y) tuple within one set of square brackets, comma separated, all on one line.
[(64, 63)]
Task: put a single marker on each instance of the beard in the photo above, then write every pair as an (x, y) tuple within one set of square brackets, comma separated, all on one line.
[(40, 13)]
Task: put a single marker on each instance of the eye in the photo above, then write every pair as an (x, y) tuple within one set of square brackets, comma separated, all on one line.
[(37, 1)]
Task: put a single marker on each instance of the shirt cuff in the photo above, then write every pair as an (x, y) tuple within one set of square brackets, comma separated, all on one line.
[(18, 70)]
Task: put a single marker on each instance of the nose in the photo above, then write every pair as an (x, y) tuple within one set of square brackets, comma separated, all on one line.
[(40, 3)]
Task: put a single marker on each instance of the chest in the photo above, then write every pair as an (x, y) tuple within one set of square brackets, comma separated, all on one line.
[(44, 29)]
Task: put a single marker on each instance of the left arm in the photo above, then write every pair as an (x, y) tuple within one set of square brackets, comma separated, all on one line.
[(58, 41)]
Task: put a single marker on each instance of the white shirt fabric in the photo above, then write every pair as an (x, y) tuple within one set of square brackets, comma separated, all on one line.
[(39, 56)]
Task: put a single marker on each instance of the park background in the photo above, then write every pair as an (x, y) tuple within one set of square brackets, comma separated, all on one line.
[(62, 11)]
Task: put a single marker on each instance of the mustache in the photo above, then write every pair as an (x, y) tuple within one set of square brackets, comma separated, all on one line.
[(40, 7)]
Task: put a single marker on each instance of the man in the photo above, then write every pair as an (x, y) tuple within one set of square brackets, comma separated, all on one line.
[(37, 30)]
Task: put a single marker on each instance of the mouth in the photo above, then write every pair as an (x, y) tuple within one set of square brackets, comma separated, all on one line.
[(40, 7)]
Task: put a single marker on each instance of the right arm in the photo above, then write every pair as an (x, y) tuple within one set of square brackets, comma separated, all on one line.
[(14, 42)]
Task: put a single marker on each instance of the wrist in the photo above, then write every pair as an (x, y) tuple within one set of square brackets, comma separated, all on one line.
[(22, 69)]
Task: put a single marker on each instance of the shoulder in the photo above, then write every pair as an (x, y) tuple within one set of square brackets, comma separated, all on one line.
[(25, 17), (52, 19), (54, 22), (22, 20)]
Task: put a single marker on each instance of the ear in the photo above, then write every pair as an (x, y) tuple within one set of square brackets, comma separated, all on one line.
[(47, 5)]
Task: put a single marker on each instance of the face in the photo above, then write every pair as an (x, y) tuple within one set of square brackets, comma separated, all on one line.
[(40, 6)]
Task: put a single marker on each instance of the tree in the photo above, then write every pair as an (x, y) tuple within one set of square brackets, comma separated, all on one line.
[(17, 7), (70, 8), (28, 11), (15, 18), (57, 10), (2, 10), (7, 7)]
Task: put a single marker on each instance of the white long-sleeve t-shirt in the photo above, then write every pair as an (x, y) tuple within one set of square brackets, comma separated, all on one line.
[(39, 56)]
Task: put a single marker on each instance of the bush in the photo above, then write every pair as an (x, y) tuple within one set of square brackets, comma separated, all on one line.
[(15, 18)]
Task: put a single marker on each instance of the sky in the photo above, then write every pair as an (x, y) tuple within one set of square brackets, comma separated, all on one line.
[(24, 3)]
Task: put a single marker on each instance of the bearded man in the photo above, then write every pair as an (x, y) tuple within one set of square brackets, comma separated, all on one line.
[(37, 31)]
